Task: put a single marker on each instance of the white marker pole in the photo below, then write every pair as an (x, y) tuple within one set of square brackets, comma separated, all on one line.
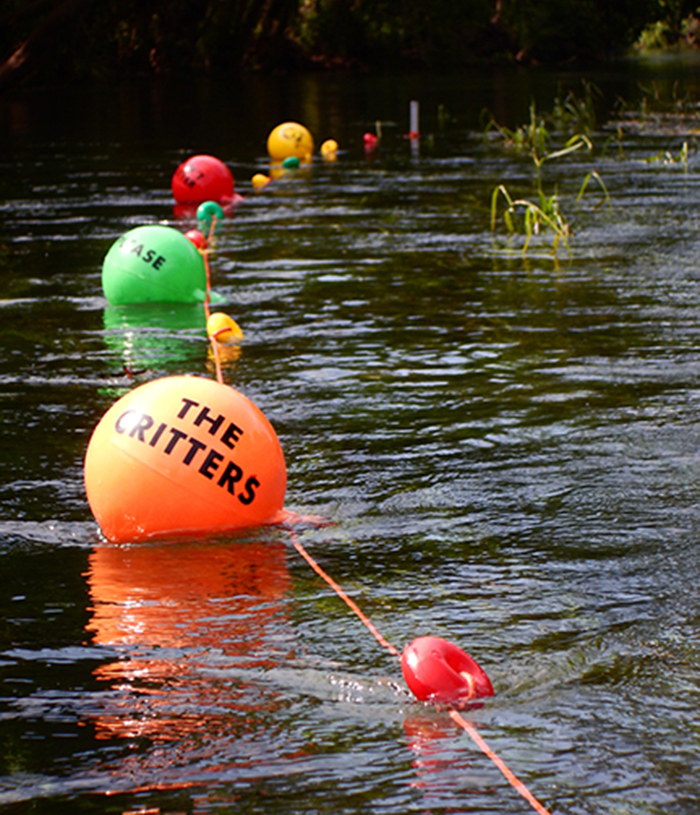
[(414, 129)]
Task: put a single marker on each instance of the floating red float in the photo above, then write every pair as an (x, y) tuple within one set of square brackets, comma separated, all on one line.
[(438, 671), (197, 238)]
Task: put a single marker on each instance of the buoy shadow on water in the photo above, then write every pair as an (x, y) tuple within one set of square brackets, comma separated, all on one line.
[(211, 601)]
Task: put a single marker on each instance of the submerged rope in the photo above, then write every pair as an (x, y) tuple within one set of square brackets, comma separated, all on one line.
[(456, 717)]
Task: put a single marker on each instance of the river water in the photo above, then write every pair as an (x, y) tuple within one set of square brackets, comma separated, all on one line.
[(505, 444)]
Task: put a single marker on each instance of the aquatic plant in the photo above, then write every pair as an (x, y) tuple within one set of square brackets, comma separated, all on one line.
[(576, 113), (544, 211), (535, 217), (531, 137), (666, 157)]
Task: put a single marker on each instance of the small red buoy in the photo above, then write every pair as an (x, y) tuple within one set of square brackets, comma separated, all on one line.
[(197, 238), (202, 178), (438, 671), (370, 141)]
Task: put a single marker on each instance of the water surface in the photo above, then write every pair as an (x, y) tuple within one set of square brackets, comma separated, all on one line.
[(505, 443)]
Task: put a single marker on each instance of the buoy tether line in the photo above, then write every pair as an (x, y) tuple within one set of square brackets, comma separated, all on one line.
[(343, 596), (207, 311), (472, 678), (213, 340)]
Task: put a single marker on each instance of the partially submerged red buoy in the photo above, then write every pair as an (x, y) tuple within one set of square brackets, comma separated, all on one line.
[(438, 671)]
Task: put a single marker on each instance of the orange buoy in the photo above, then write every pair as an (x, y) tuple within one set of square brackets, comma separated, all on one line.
[(183, 456), (439, 671)]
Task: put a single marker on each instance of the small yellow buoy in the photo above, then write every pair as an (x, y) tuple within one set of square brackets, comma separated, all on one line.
[(223, 328), (260, 180), (329, 149)]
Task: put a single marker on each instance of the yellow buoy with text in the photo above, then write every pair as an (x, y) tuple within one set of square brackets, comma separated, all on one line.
[(290, 139), (183, 456)]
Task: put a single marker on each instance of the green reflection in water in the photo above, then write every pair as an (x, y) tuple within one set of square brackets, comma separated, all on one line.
[(155, 335)]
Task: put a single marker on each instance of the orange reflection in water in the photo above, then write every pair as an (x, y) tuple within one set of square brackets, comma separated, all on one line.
[(180, 614)]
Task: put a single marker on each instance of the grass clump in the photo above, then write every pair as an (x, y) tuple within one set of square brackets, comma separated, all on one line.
[(531, 216)]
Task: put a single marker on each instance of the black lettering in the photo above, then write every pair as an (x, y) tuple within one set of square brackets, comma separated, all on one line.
[(232, 434), (248, 496), (119, 426), (231, 475), (148, 257), (143, 424), (195, 447), (176, 436), (211, 462), (137, 249), (205, 417), (187, 404), (157, 434), (158, 262), (139, 424)]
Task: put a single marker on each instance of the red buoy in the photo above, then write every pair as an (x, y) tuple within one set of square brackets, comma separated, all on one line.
[(197, 238), (438, 671), (370, 141), (202, 178)]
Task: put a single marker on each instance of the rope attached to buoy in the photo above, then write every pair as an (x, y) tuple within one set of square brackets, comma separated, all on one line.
[(343, 596), (456, 717), (207, 301)]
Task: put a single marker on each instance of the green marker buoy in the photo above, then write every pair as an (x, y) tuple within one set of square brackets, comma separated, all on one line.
[(153, 264), (209, 210)]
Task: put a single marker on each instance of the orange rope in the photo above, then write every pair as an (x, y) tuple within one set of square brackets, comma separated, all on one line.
[(454, 715), (343, 596), (510, 777), (207, 301)]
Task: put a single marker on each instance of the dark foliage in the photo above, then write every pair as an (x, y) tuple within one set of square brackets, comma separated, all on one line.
[(556, 31), (79, 38)]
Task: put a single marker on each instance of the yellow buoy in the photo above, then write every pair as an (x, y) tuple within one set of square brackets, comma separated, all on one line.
[(260, 180), (223, 328), (290, 139), (329, 149)]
